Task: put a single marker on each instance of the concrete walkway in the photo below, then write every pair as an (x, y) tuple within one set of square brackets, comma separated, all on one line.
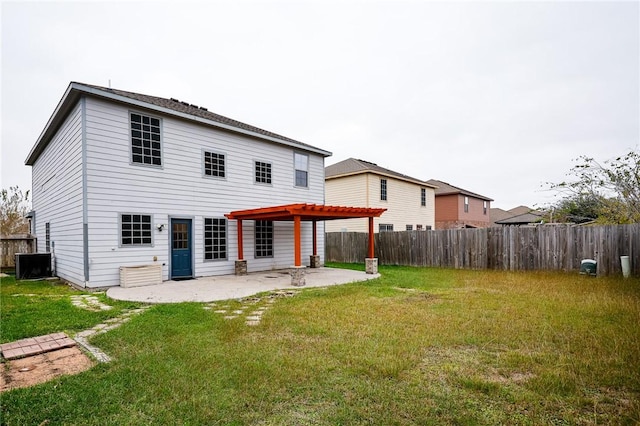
[(225, 287)]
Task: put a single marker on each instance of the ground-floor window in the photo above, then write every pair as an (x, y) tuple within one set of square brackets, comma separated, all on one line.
[(47, 237), (135, 229), (215, 238), (264, 238), (409, 227), (385, 227)]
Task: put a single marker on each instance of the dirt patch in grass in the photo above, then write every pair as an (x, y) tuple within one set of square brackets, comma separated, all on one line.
[(29, 371)]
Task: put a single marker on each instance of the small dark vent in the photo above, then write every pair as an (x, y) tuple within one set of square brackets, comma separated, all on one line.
[(175, 100), (184, 103), (193, 105), (204, 109)]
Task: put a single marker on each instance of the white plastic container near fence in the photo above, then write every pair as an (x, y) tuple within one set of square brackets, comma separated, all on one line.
[(626, 266), (141, 275)]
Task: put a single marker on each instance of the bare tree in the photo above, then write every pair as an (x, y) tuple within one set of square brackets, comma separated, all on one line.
[(612, 187), (15, 206)]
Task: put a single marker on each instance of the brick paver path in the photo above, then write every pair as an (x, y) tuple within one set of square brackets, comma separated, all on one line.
[(36, 345)]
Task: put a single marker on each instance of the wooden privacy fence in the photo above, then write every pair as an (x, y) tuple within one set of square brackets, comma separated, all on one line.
[(514, 248), (12, 244)]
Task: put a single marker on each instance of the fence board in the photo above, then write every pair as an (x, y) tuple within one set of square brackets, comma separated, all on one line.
[(513, 248)]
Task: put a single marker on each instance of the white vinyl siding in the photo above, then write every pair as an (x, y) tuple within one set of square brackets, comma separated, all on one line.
[(178, 190), (57, 197)]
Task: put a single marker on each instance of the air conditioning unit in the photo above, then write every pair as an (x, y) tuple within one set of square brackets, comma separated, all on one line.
[(32, 265), (137, 276)]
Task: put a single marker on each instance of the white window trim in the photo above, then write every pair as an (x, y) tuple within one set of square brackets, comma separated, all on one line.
[(204, 239), (295, 170), (133, 163), (253, 172), (226, 167), (120, 245)]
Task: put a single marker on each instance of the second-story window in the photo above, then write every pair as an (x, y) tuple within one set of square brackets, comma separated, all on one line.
[(145, 140), (423, 197), (301, 164), (383, 189), (484, 207), (263, 172), (214, 164), (466, 204)]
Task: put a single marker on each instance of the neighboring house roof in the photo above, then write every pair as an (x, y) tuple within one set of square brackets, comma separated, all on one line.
[(496, 213), (170, 106), (530, 217), (352, 166), (444, 188), (520, 210)]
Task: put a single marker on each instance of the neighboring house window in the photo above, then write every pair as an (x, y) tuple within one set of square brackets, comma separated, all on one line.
[(383, 189), (135, 229), (409, 227), (47, 237), (385, 227), (301, 163), (423, 197), (466, 204), (215, 238), (418, 227), (428, 227), (264, 238), (263, 172), (214, 164), (145, 140), (484, 207)]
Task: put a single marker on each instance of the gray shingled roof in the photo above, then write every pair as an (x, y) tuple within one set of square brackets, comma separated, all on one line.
[(191, 109), (181, 109), (444, 188), (353, 166)]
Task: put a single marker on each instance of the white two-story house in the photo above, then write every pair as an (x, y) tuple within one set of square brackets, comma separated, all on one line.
[(409, 202), (126, 179)]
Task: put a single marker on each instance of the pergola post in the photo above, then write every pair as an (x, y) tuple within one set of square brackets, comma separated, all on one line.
[(371, 263), (241, 264), (314, 259), (297, 271)]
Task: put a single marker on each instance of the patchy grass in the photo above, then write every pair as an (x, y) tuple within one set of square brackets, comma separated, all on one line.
[(34, 308), (417, 346)]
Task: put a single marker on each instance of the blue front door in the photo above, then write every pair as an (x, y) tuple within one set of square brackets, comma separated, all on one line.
[(181, 248)]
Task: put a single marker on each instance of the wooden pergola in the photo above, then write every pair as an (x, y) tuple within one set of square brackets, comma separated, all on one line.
[(304, 212)]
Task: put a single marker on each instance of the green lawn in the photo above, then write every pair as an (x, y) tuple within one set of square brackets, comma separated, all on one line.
[(415, 347)]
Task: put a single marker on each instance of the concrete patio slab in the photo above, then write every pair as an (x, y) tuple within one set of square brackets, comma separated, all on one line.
[(224, 287)]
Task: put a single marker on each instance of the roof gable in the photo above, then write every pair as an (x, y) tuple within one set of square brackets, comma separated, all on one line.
[(170, 106), (353, 166), (444, 188)]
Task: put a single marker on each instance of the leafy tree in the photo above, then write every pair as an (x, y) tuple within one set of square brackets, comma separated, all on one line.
[(608, 191), (15, 205)]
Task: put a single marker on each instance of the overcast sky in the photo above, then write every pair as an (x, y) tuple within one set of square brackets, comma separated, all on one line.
[(493, 97)]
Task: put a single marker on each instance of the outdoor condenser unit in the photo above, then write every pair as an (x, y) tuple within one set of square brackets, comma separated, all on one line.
[(33, 265)]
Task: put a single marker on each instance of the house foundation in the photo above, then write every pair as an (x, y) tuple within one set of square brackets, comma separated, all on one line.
[(371, 265), (297, 276)]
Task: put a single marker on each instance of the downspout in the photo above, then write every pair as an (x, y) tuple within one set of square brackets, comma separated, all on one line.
[(85, 208)]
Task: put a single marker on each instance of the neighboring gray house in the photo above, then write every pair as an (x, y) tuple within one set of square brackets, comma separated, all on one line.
[(125, 179)]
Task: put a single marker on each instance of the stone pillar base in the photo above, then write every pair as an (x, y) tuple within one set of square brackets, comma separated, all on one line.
[(241, 267), (297, 276), (314, 261), (371, 265)]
